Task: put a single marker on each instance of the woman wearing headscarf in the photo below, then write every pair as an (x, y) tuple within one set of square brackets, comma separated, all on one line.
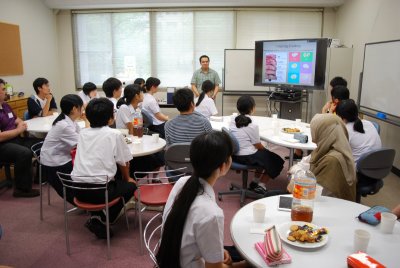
[(332, 162)]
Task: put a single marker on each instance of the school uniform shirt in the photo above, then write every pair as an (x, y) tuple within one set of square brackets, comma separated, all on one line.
[(98, 152), (362, 143), (36, 104), (246, 136), (150, 104), (207, 107), (125, 115), (203, 233), (57, 146), (85, 98)]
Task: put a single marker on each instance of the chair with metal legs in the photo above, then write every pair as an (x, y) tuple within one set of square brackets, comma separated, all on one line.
[(149, 194), (36, 149), (152, 237), (68, 183)]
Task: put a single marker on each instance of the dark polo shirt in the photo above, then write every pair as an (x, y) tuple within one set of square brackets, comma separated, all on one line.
[(7, 118)]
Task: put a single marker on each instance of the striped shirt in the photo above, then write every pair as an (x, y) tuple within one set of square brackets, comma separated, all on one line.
[(186, 127)]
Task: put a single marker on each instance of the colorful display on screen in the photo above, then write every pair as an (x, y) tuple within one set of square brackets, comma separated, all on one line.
[(289, 62)]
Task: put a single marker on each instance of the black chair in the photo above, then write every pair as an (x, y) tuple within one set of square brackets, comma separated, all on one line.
[(236, 189), (177, 156), (372, 168)]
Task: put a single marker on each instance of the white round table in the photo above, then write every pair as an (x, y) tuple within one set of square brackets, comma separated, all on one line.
[(44, 124), (338, 215), (146, 146), (271, 131)]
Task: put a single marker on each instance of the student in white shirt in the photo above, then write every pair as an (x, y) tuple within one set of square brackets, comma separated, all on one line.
[(88, 92), (43, 103), (112, 87), (251, 151), (205, 104), (363, 136), (127, 106), (55, 154), (193, 223), (150, 104), (102, 150)]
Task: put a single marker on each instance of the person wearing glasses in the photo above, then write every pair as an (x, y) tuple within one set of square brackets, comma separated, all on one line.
[(203, 74)]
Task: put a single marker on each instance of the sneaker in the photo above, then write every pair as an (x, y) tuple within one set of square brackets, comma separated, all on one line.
[(28, 194), (255, 187), (95, 225)]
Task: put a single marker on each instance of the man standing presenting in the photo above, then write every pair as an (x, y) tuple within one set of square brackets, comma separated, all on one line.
[(203, 74)]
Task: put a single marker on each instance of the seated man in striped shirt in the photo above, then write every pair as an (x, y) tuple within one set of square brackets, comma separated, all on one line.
[(189, 124)]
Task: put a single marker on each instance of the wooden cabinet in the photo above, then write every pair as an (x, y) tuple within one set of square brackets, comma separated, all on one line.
[(19, 105)]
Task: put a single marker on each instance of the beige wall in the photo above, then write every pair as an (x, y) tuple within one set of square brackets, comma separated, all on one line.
[(364, 21), (38, 42)]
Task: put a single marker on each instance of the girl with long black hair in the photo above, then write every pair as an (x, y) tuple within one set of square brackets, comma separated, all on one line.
[(193, 224), (205, 104), (127, 106), (363, 136), (55, 154), (251, 151)]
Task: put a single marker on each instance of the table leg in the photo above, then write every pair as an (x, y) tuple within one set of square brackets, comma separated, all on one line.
[(291, 154)]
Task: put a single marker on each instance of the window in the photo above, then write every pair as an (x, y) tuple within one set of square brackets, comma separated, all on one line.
[(167, 45)]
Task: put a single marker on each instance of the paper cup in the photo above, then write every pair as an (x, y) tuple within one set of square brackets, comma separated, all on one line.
[(155, 137), (259, 212), (387, 222), (361, 240)]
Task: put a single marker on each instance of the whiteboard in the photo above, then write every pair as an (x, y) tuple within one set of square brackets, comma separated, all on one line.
[(239, 71), (380, 89)]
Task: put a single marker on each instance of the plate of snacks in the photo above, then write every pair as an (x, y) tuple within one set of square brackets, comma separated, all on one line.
[(291, 130), (303, 234)]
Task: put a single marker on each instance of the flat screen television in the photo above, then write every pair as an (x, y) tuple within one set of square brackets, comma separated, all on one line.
[(297, 63)]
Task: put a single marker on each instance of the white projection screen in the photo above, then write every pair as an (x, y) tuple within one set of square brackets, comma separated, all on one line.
[(380, 89), (239, 71)]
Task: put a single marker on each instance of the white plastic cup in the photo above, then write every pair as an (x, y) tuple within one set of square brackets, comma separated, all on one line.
[(259, 212), (387, 222), (275, 116), (155, 137), (361, 240)]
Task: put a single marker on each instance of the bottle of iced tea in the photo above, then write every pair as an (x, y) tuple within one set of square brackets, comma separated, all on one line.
[(138, 123), (303, 196)]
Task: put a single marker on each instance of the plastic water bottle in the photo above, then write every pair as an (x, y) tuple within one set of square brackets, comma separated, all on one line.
[(9, 89), (138, 123), (303, 196)]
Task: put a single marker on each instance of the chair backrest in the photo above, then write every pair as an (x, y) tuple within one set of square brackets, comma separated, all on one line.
[(152, 237), (147, 119), (36, 148), (147, 177), (178, 155), (377, 163), (377, 126), (68, 181), (235, 142), (26, 115)]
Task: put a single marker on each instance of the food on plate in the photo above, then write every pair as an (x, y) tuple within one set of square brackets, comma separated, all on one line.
[(291, 130), (306, 233)]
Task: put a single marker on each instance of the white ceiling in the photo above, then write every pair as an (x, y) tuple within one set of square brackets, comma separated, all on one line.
[(96, 4)]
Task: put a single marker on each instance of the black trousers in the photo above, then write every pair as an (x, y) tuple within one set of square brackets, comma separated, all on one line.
[(18, 151), (116, 188), (50, 173), (159, 129)]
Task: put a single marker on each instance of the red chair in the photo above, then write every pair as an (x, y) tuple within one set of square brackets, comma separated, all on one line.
[(150, 194), (73, 154), (67, 182)]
